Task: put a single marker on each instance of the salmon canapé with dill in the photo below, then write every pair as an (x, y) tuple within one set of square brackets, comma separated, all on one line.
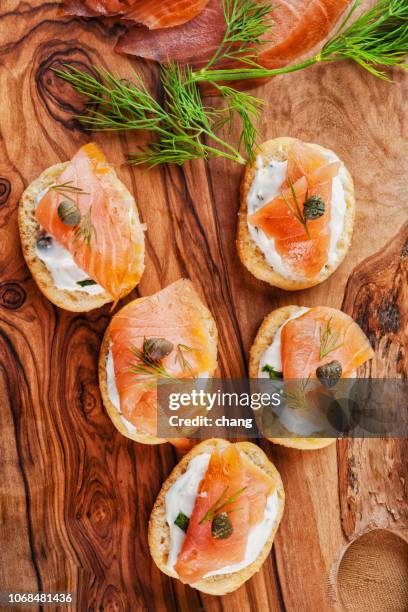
[(297, 214), (310, 349), (217, 516), (152, 340), (88, 247)]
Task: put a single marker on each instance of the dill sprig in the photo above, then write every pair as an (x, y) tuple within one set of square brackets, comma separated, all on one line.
[(296, 210), (67, 189), (181, 359), (86, 229), (328, 340), (295, 393), (147, 366), (184, 127), (246, 23), (220, 504), (377, 38)]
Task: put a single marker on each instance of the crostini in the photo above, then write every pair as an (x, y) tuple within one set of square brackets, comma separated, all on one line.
[(296, 214), (298, 344), (165, 336), (80, 233), (216, 516)]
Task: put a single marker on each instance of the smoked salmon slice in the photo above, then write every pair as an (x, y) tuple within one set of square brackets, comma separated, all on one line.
[(319, 336), (243, 488), (165, 14), (177, 315), (107, 243), (151, 13), (309, 173)]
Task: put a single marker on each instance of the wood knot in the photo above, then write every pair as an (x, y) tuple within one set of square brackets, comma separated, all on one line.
[(12, 296), (62, 102), (113, 600), (100, 515), (5, 189)]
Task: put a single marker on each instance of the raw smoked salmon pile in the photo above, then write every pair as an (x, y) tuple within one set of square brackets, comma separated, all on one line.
[(176, 315), (232, 478), (298, 26), (310, 175), (107, 243), (151, 13), (321, 335)]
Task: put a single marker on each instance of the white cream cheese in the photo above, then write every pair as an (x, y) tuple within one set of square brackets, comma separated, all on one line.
[(63, 269), (266, 186), (181, 498), (113, 392)]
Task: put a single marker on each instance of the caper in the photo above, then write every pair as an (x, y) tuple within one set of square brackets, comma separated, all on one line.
[(330, 373), (69, 213), (314, 208), (156, 349), (44, 242), (221, 526)]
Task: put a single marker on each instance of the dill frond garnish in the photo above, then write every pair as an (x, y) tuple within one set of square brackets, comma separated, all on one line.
[(184, 364), (328, 340), (184, 127), (66, 189), (296, 210), (220, 504), (85, 230), (147, 365)]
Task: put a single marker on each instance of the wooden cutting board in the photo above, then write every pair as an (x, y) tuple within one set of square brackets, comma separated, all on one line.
[(75, 495)]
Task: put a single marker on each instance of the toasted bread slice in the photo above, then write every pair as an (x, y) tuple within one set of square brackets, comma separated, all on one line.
[(75, 301), (264, 338), (159, 533), (115, 416), (250, 254)]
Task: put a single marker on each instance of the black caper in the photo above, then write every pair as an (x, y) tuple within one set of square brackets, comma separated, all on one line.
[(69, 213), (330, 373), (156, 349), (44, 242), (314, 208), (221, 526)]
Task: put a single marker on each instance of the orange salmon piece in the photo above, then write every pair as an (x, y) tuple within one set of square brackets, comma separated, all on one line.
[(301, 343), (260, 486), (201, 552), (176, 314), (228, 472), (310, 174), (113, 252)]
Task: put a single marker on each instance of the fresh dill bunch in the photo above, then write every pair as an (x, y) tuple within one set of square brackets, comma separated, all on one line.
[(188, 127), (184, 128), (377, 38), (180, 124)]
